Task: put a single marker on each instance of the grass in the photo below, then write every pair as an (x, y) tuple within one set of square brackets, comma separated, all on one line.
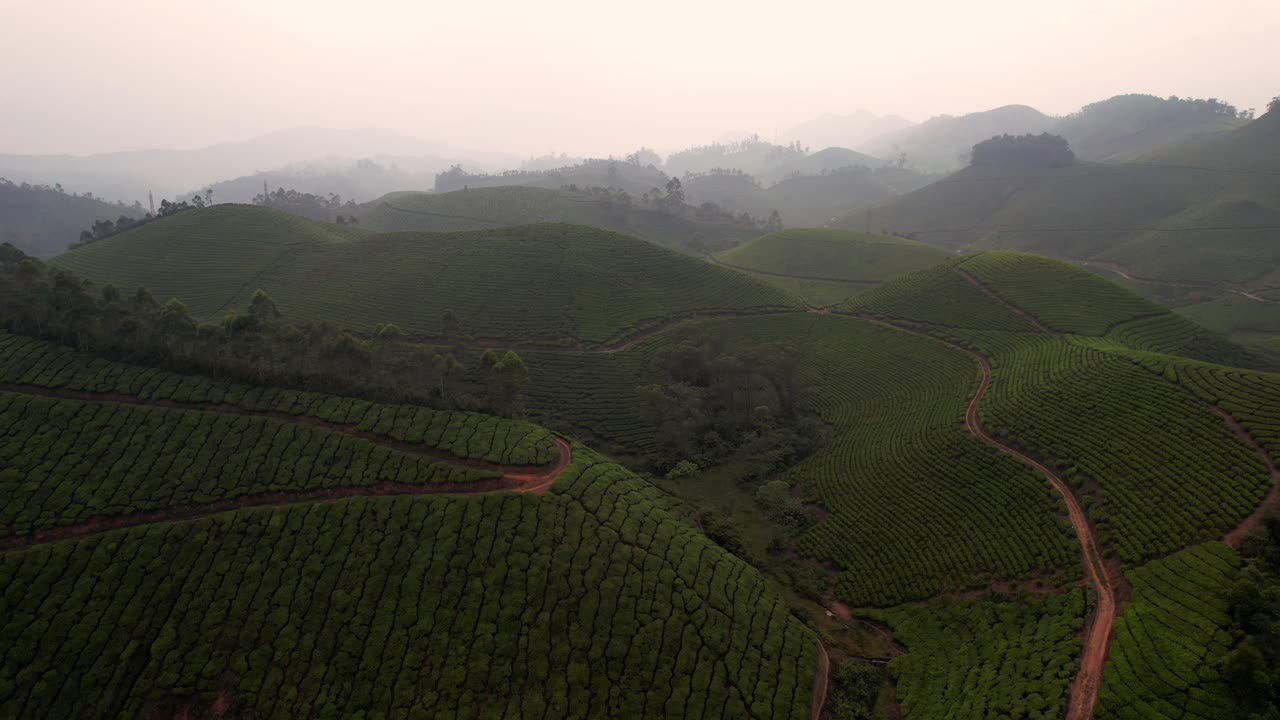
[(545, 284)]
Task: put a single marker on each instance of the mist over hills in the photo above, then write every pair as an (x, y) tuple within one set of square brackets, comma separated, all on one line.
[(130, 175)]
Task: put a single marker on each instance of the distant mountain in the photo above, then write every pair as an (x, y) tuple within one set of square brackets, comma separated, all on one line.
[(130, 175), (852, 130), (1202, 213), (1119, 129), (1126, 127), (43, 221), (361, 180), (942, 144)]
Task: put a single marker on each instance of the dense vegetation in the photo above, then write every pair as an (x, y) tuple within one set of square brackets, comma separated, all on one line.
[(713, 403), (1171, 640), (987, 659), (593, 602), (1023, 151), (545, 284), (912, 506)]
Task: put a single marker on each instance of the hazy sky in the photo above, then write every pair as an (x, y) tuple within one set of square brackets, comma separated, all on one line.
[(592, 77)]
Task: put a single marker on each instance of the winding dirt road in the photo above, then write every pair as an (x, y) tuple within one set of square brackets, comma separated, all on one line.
[(1084, 690), (514, 478), (1269, 503)]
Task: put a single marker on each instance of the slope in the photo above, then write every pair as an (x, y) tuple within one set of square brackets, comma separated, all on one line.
[(322, 582), (207, 258), (482, 208), (533, 284), (942, 143), (827, 265)]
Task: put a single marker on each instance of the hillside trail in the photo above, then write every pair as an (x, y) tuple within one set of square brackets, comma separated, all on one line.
[(1084, 689), (1193, 286), (530, 479), (991, 294), (820, 682), (1272, 500)]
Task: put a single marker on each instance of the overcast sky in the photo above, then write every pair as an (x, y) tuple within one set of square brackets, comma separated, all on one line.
[(592, 77)]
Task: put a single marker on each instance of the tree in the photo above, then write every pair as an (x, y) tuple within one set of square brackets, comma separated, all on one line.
[(451, 329), (509, 378), (262, 307), (446, 367), (675, 193), (1023, 151), (1274, 104), (774, 223)]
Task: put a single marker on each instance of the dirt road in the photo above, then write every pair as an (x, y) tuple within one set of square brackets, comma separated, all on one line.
[(1084, 690)]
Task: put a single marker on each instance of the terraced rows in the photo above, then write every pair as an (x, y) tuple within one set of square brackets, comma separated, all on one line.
[(1171, 639), (1156, 469), (596, 602), (937, 296), (1064, 297), (1175, 335), (982, 659), (64, 462), (26, 362)]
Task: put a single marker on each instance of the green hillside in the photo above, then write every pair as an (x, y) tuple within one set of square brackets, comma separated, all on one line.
[(168, 569), (824, 265), (484, 208), (545, 284), (1197, 213)]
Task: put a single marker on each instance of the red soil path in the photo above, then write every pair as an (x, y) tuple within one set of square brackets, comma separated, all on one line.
[(991, 293), (1084, 690), (514, 478), (1271, 502), (819, 700), (509, 471)]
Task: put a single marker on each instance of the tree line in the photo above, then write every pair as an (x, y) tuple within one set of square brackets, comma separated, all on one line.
[(255, 345)]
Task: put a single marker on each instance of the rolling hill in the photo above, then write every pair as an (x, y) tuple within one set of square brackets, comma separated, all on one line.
[(825, 265), (490, 207), (542, 284), (1090, 401), (287, 560)]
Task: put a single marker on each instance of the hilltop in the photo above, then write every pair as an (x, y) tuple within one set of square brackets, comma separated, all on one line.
[(1127, 127), (942, 143), (546, 284), (682, 228), (826, 265)]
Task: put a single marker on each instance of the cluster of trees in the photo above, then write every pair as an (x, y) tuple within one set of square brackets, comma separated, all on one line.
[(1023, 151), (103, 229), (255, 345), (316, 207), (1253, 667), (714, 404)]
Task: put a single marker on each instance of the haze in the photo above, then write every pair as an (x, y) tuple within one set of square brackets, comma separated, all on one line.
[(589, 77)]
